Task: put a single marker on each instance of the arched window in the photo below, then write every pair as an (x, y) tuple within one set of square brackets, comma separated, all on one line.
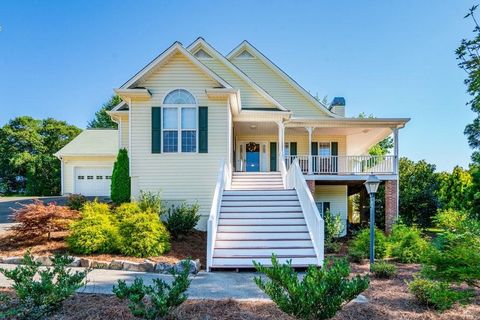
[(179, 96), (180, 123)]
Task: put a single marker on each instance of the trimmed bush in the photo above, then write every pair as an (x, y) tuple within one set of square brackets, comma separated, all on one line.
[(38, 220), (406, 243), (144, 235), (182, 219), (126, 210), (333, 229), (384, 270), (120, 186), (317, 295), (450, 219), (359, 247), (96, 232), (149, 201), (76, 201), (437, 294)]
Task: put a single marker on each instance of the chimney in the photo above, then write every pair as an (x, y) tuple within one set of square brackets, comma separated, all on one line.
[(338, 106)]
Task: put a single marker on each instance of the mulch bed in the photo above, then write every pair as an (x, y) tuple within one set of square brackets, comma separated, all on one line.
[(388, 299), (194, 245)]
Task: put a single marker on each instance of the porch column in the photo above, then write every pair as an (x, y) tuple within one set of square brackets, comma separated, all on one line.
[(281, 142), (396, 169), (310, 162), (395, 152), (391, 204)]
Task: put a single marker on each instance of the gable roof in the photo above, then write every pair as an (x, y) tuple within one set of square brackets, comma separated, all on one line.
[(92, 142), (245, 45), (164, 56), (204, 45)]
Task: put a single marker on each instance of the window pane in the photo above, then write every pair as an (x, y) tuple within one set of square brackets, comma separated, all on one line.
[(170, 118), (189, 118), (170, 141), (286, 149), (189, 141), (179, 96), (324, 149)]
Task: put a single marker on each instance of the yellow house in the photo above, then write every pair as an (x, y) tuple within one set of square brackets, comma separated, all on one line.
[(236, 134)]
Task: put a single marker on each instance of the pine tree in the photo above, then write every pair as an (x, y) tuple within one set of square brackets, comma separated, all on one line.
[(120, 188)]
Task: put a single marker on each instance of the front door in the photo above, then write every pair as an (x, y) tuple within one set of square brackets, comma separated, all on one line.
[(252, 157)]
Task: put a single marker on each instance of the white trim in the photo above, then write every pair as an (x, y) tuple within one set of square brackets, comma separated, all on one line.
[(201, 43), (62, 176), (260, 162), (133, 93), (175, 47), (118, 106), (245, 45)]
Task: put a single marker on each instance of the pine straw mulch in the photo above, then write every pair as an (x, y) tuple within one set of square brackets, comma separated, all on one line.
[(193, 245)]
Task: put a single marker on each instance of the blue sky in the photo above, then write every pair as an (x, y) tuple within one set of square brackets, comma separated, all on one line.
[(62, 59)]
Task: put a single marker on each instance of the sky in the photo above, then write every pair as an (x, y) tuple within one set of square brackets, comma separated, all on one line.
[(388, 58)]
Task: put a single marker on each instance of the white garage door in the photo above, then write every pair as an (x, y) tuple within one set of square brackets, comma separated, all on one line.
[(93, 181)]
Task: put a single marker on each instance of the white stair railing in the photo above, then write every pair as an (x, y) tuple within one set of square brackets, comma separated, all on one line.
[(223, 182), (283, 172), (296, 180)]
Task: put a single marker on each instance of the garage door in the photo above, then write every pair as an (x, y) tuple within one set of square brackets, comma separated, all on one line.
[(93, 181)]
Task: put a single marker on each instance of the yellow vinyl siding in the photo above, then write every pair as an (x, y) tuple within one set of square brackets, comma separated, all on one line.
[(250, 97), (337, 196), (278, 88), (189, 177), (70, 163)]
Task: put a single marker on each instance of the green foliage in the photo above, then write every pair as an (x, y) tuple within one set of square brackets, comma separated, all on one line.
[(318, 295), (182, 219), (96, 232), (157, 300), (120, 186), (126, 210), (438, 294), (149, 201), (406, 243), (359, 247), (27, 163), (455, 189), (143, 235), (450, 219), (76, 201), (418, 189), (333, 229), (41, 291), (384, 270), (102, 119)]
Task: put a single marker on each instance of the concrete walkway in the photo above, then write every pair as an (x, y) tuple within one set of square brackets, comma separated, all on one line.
[(205, 285)]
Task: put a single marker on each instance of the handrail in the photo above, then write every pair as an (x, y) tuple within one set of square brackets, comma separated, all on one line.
[(223, 182), (283, 172), (315, 164), (296, 180)]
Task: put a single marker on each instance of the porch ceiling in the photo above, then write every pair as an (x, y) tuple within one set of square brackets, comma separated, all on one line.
[(256, 128)]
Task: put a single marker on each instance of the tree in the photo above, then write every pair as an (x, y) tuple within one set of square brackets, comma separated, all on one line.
[(120, 187), (418, 192), (26, 154), (455, 189), (102, 119)]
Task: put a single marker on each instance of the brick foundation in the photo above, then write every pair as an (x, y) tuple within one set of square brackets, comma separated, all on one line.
[(391, 209), (311, 186)]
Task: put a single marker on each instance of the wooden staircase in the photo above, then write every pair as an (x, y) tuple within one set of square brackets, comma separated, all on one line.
[(259, 217)]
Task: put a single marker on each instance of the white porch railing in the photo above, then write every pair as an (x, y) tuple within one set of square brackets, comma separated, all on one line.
[(223, 181), (343, 164), (315, 223)]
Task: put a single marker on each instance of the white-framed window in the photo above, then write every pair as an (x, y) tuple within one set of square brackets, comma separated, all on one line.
[(324, 149), (286, 149), (179, 122), (322, 206)]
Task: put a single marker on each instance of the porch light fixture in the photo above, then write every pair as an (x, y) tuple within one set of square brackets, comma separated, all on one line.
[(253, 127), (371, 184)]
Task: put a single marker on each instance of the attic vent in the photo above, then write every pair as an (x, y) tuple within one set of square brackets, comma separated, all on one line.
[(201, 54), (245, 55)]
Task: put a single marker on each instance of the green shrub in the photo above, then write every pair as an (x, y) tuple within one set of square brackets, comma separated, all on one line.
[(359, 247), (182, 219), (120, 186), (96, 232), (144, 235), (149, 201), (126, 210), (384, 270), (333, 228), (76, 201), (157, 300), (450, 219), (437, 294), (318, 295), (41, 291), (406, 243)]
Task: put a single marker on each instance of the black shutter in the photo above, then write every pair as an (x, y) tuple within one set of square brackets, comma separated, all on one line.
[(273, 156), (334, 165), (314, 153), (326, 206), (156, 129), (203, 129), (293, 148)]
